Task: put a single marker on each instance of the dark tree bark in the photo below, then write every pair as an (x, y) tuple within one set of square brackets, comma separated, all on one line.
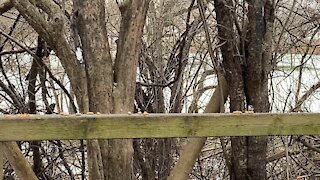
[(247, 76), (32, 78), (234, 77), (257, 69)]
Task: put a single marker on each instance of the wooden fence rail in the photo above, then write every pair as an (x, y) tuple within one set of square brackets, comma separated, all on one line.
[(51, 127), (54, 127)]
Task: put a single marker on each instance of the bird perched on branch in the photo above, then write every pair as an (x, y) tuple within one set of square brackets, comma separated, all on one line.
[(50, 108)]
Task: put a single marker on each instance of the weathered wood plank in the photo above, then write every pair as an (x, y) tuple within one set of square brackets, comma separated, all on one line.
[(46, 127)]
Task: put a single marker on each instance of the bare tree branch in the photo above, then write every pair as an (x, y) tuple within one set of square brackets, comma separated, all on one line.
[(15, 51), (46, 68), (52, 31), (20, 165), (5, 5), (308, 145), (306, 95)]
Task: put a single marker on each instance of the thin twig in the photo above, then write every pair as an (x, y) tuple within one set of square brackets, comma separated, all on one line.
[(46, 68)]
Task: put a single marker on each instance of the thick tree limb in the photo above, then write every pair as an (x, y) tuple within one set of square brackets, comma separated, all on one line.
[(33, 16), (5, 5), (21, 166), (52, 31)]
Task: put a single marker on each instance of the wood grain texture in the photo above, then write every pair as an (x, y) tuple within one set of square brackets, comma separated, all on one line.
[(49, 127)]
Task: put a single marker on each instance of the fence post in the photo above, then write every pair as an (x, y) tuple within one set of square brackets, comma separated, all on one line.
[(1, 160)]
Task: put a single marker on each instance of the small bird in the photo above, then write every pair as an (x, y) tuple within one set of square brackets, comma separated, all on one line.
[(50, 109)]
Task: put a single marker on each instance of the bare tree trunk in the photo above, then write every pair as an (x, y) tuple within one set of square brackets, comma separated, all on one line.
[(235, 81), (248, 80), (257, 67), (32, 77), (90, 20), (256, 79), (133, 15), (110, 90)]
